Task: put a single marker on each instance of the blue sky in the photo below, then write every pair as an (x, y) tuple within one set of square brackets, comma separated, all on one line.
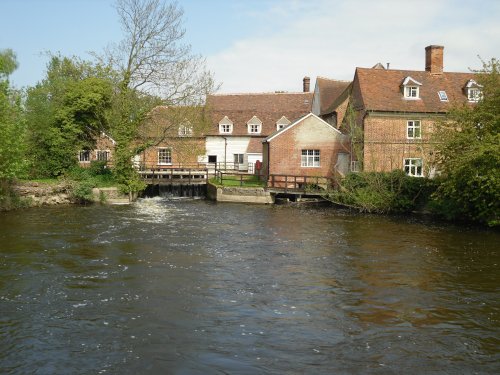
[(268, 45)]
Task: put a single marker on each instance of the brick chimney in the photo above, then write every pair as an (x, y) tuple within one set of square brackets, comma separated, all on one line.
[(434, 59), (306, 84)]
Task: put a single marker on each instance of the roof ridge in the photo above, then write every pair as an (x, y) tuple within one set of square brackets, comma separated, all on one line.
[(261, 93), (334, 79)]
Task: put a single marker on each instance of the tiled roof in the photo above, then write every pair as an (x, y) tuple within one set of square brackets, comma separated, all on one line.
[(268, 107), (380, 90), (255, 145), (329, 91)]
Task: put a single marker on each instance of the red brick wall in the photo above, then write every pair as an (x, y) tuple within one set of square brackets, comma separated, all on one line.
[(184, 151), (386, 144), (285, 150), (103, 143)]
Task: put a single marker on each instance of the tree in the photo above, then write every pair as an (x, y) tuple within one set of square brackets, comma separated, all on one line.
[(65, 112), (469, 155), (11, 121), (154, 67)]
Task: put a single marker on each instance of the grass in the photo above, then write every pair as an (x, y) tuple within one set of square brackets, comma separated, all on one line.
[(239, 181)]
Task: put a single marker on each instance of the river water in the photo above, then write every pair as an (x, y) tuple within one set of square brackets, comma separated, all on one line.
[(194, 287)]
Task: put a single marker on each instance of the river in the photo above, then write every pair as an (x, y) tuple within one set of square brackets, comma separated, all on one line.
[(194, 287)]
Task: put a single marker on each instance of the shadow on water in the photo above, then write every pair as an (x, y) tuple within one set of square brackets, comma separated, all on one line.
[(195, 287)]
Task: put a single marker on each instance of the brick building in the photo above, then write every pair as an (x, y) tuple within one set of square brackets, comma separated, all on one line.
[(240, 122), (395, 112), (174, 135), (307, 147), (103, 151)]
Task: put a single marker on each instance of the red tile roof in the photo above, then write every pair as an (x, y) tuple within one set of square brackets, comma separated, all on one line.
[(268, 107), (381, 90), (329, 91)]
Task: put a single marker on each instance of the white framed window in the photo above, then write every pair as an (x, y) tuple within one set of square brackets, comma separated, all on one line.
[(254, 125), (102, 155), (310, 158), (411, 88), (411, 92), (473, 91), (185, 131), (282, 122), (254, 128), (225, 126), (164, 156), (84, 156), (474, 94), (414, 167), (443, 96), (413, 129)]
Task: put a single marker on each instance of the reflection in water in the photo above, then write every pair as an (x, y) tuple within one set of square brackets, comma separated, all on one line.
[(193, 287)]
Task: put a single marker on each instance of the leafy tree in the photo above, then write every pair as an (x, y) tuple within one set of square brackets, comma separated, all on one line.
[(469, 155), (152, 63), (65, 112), (11, 121)]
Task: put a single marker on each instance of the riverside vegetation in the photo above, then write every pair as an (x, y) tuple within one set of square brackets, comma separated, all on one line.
[(43, 127)]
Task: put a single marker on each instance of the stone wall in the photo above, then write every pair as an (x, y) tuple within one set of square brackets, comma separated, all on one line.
[(39, 194)]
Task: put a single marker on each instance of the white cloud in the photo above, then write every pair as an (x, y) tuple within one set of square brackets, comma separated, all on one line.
[(330, 38)]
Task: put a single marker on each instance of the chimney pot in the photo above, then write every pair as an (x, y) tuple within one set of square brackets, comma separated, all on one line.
[(306, 84), (434, 59)]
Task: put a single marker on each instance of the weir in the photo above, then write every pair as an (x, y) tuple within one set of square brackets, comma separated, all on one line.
[(176, 190)]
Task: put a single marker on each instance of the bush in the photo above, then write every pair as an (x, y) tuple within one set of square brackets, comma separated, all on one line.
[(384, 192)]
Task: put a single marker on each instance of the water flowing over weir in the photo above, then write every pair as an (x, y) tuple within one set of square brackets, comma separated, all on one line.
[(189, 286), (176, 190)]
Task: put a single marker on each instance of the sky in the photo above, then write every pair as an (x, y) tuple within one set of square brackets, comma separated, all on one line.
[(268, 45)]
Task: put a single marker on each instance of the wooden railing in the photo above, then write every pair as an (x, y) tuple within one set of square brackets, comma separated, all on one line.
[(239, 179), (299, 183)]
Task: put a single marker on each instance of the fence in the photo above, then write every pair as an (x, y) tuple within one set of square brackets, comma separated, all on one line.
[(299, 183)]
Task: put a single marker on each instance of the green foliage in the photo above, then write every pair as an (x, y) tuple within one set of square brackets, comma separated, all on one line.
[(65, 113), (81, 191), (12, 124), (383, 192), (8, 63), (469, 156)]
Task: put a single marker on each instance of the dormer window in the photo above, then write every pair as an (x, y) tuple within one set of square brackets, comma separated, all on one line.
[(473, 91), (411, 88), (254, 125), (225, 126), (282, 122), (185, 130)]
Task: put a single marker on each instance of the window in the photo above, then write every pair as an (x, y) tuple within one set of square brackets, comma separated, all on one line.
[(212, 158), (474, 95), (238, 158), (164, 156), (473, 91), (185, 131), (413, 167), (282, 122), (254, 128), (413, 129), (254, 125), (225, 126), (84, 156), (102, 155), (442, 96), (411, 88), (310, 158), (411, 92)]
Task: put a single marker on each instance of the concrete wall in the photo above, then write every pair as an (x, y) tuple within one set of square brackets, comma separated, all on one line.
[(238, 195)]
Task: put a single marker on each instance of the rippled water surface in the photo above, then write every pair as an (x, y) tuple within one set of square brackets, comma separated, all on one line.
[(193, 287)]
